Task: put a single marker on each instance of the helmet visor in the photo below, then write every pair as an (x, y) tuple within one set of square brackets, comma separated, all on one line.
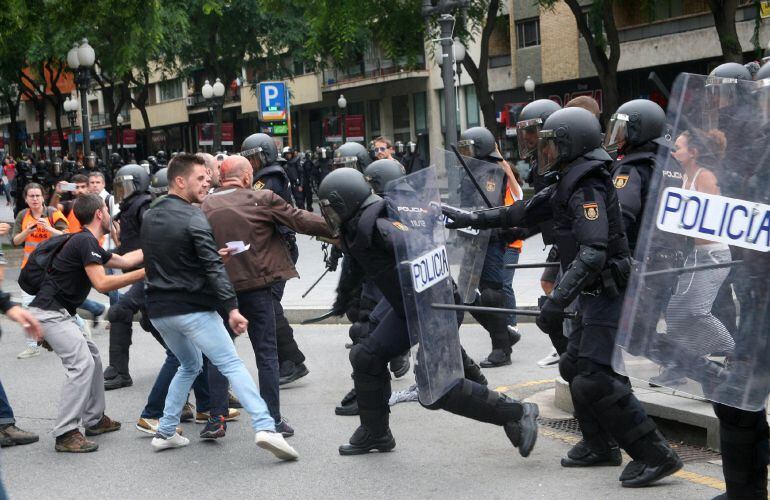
[(762, 98), (124, 187), (332, 218), (526, 133), (616, 135), (345, 161), (547, 151), (467, 148)]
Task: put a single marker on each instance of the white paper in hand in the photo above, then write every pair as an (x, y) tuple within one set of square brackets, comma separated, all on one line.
[(237, 247)]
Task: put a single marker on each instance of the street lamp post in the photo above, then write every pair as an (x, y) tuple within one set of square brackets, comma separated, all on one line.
[(81, 58), (215, 98), (529, 86), (71, 108), (342, 103), (41, 119), (48, 125), (120, 133)]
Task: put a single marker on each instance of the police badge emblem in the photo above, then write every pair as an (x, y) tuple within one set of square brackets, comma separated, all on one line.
[(621, 181), (400, 226), (591, 211), (491, 185), (258, 185)]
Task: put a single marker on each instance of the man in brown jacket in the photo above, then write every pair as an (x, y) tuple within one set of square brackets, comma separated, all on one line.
[(239, 214)]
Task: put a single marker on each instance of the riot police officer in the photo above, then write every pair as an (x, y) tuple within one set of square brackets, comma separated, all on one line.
[(294, 171), (593, 249), (262, 153), (479, 143), (368, 236), (131, 190), (351, 155), (307, 180)]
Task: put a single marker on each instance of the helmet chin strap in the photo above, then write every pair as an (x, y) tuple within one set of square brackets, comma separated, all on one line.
[(551, 177)]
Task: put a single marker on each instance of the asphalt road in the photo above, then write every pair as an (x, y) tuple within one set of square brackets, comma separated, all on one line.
[(438, 455)]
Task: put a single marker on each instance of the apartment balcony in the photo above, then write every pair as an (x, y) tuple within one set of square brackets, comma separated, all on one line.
[(371, 71)]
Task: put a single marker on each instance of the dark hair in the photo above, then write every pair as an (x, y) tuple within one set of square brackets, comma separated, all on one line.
[(182, 166), (33, 185), (384, 139), (79, 179), (96, 174), (86, 206)]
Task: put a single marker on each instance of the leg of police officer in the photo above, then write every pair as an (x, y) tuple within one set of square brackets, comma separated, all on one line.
[(290, 359), (466, 398), (743, 438), (121, 315), (607, 399)]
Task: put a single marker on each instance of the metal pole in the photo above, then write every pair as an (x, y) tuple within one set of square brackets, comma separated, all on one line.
[(217, 125), (86, 129), (50, 146), (71, 137), (447, 23), (344, 125)]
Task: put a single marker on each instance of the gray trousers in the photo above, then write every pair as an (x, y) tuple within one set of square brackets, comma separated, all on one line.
[(82, 397)]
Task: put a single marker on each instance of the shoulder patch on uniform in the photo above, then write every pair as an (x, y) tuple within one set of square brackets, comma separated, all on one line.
[(400, 226), (591, 211), (258, 185), (491, 185), (621, 181)]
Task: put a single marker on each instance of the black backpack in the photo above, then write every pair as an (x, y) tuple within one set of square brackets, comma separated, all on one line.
[(40, 263)]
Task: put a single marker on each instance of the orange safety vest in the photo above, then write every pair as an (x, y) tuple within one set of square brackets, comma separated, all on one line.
[(509, 200), (39, 235), (74, 226)]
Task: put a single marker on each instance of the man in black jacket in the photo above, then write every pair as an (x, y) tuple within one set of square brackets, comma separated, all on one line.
[(186, 282)]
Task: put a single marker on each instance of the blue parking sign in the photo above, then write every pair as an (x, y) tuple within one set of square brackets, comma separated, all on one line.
[(273, 102)]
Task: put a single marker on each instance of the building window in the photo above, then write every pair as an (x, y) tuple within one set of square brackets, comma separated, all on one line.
[(374, 117), (420, 113), (471, 107), (170, 89), (400, 109), (528, 33)]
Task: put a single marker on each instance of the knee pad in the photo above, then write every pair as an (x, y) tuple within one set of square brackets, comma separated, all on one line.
[(568, 367), (120, 313), (365, 359), (492, 298), (358, 331)]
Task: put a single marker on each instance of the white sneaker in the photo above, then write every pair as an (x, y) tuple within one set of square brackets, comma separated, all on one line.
[(175, 441), (29, 352), (550, 360), (275, 444), (410, 394)]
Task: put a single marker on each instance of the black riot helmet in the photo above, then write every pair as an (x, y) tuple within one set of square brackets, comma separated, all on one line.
[(162, 157), (260, 147), (152, 163), (399, 147), (763, 73), (129, 180), (479, 143), (342, 193), (91, 161), (723, 88), (116, 160), (56, 168), (531, 120), (634, 124), (762, 92), (380, 172), (159, 183), (351, 155), (567, 135)]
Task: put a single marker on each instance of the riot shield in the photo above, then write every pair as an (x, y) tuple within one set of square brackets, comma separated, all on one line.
[(696, 316), (467, 247), (424, 272)]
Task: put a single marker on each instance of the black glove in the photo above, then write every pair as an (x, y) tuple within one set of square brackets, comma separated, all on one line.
[(514, 234), (459, 218), (551, 317)]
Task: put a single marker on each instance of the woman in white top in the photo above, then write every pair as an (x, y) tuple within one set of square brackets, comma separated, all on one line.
[(689, 319)]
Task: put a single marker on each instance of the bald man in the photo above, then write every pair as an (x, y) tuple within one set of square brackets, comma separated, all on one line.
[(238, 213)]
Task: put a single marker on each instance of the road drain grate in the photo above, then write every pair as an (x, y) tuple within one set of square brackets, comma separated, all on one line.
[(687, 453)]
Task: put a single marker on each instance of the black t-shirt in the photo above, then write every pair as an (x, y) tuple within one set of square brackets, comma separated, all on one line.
[(68, 285)]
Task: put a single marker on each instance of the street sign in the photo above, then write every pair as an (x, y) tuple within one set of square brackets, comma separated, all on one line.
[(764, 9), (273, 101)]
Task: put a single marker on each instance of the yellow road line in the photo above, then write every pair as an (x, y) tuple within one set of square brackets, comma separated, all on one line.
[(689, 476), (506, 388)]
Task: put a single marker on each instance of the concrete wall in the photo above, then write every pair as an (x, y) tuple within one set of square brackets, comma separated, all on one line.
[(559, 47), (166, 113)]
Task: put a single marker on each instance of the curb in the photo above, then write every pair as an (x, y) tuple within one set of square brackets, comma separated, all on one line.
[(296, 315)]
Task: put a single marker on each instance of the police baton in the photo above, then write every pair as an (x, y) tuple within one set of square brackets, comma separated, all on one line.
[(470, 174), (320, 318), (496, 310), (684, 270), (315, 283), (537, 265)]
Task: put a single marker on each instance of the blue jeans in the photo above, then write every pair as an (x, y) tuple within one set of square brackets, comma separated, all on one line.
[(93, 307), (492, 271), (6, 412), (157, 398), (189, 336), (511, 257), (257, 307)]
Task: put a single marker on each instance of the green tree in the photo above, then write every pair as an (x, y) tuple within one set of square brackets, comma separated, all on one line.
[(724, 21)]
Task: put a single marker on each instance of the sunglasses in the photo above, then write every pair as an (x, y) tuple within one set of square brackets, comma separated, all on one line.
[(380, 149)]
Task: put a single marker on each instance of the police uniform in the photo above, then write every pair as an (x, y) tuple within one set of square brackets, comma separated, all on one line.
[(275, 179), (121, 315), (370, 238)]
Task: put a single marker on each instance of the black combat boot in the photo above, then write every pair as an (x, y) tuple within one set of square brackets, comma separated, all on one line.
[(581, 455), (349, 404)]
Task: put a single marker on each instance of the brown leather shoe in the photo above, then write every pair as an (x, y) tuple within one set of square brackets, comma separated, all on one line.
[(74, 442), (11, 435), (106, 424)]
